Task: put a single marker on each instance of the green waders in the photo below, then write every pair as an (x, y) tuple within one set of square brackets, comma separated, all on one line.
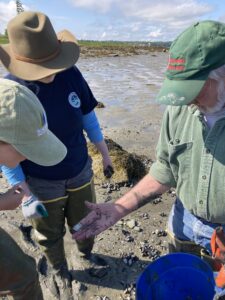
[(19, 278), (50, 231), (76, 203)]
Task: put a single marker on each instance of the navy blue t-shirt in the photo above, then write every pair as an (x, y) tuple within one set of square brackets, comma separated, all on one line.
[(65, 101)]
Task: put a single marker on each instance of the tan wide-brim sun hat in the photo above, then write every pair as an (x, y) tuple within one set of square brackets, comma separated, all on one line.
[(35, 51)]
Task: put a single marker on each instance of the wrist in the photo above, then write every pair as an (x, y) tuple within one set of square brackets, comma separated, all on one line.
[(26, 190), (121, 211)]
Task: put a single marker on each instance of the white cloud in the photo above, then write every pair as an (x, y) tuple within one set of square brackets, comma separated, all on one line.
[(155, 34), (103, 35), (160, 10), (165, 11), (7, 11), (143, 19), (102, 6)]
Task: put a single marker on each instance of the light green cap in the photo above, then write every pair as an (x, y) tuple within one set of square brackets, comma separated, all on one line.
[(192, 56), (23, 124)]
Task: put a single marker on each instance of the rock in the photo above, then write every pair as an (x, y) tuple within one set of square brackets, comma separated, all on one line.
[(100, 105), (131, 223)]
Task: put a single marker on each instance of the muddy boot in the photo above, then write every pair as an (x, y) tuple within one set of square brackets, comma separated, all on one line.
[(94, 264), (61, 283)]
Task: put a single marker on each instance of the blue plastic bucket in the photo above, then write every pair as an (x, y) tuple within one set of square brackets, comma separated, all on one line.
[(177, 276)]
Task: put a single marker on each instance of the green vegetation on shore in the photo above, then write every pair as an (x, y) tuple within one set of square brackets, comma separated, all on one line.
[(100, 44), (3, 39), (96, 44)]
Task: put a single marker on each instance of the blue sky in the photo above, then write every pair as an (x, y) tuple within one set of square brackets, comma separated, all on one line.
[(124, 20)]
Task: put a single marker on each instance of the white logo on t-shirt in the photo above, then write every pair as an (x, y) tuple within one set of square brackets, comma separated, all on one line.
[(74, 100)]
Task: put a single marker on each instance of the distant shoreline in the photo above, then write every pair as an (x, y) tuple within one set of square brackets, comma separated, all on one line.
[(113, 48), (116, 50)]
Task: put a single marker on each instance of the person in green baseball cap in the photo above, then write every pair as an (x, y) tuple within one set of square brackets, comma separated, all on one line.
[(24, 134), (192, 56), (190, 155)]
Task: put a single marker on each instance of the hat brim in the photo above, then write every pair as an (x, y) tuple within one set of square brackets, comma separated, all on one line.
[(67, 57), (47, 150), (180, 92)]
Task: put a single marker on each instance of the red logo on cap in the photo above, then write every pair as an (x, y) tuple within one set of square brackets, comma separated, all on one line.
[(176, 64)]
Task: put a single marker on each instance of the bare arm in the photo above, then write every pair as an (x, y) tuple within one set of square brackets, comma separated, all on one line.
[(103, 149), (104, 215), (141, 193)]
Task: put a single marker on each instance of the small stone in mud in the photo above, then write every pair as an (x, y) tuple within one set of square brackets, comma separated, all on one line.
[(157, 200), (149, 251), (129, 259), (131, 223), (129, 290), (100, 105), (108, 198), (163, 214), (160, 232), (145, 216), (119, 223), (137, 228), (129, 239)]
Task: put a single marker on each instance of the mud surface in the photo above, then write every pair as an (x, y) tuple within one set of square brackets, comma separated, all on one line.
[(128, 247)]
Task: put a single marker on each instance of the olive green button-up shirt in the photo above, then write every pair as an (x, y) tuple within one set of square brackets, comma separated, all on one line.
[(191, 158)]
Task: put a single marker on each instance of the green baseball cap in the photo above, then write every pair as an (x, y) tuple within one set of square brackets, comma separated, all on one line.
[(193, 54), (23, 124)]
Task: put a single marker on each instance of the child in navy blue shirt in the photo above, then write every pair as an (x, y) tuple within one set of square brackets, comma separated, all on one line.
[(44, 62)]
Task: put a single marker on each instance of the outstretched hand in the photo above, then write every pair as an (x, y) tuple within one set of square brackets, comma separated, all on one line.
[(101, 217)]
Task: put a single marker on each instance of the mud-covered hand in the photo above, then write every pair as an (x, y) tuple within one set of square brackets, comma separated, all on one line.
[(12, 198), (33, 208), (108, 171), (101, 217)]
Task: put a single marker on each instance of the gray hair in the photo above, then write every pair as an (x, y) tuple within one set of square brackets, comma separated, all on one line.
[(219, 76)]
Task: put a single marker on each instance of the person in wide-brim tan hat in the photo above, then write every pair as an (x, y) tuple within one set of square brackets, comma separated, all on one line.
[(42, 52), (44, 62)]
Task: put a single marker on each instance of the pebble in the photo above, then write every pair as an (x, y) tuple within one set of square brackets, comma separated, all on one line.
[(129, 259), (131, 223), (137, 228), (149, 251), (163, 214), (157, 200)]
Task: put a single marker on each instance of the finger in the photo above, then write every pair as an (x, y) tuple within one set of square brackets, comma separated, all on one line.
[(18, 189), (83, 234), (89, 220), (87, 233), (90, 205)]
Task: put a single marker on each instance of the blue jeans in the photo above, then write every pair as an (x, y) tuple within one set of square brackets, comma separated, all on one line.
[(187, 227)]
